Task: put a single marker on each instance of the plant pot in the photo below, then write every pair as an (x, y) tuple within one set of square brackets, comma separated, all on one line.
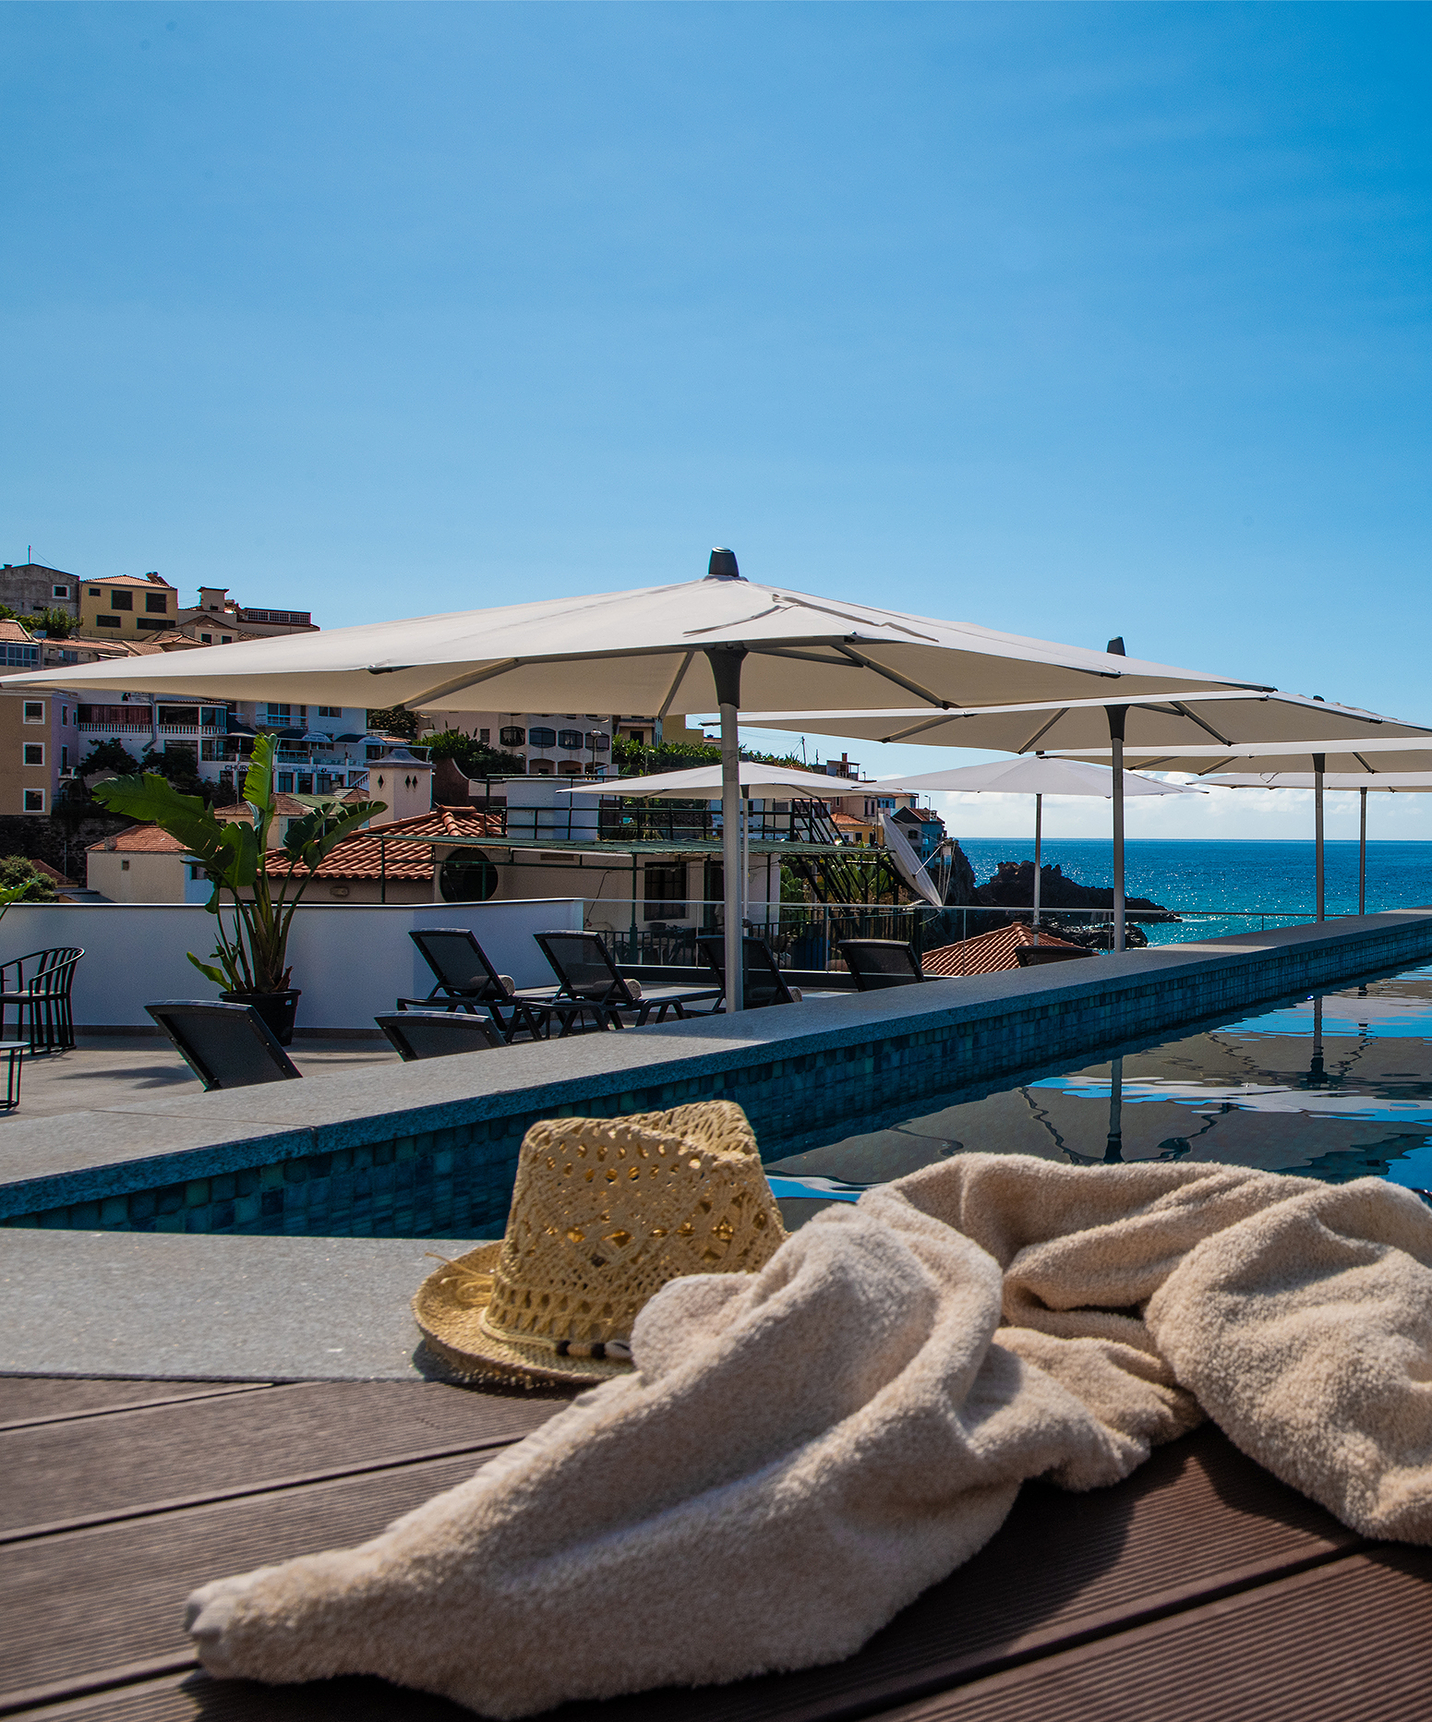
[(277, 1009)]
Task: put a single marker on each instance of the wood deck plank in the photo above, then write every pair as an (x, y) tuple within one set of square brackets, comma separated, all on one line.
[(50, 1399), (1346, 1643), (68, 1474)]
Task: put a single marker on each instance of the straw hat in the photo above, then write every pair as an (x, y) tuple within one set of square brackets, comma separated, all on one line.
[(604, 1212)]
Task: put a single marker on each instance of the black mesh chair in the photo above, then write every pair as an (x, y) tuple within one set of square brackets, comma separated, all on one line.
[(467, 980), (591, 984), (1036, 956), (225, 1045), (37, 986), (878, 963), (764, 982), (436, 1033)]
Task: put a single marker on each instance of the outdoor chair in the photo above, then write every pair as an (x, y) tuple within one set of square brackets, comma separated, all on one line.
[(764, 982), (225, 1045), (39, 984), (878, 963), (436, 1033), (467, 980), (1036, 956), (592, 984)]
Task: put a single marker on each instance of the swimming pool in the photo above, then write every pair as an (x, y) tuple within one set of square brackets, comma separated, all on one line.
[(1334, 1086)]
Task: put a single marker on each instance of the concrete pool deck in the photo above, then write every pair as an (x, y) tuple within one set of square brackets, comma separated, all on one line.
[(428, 1149)]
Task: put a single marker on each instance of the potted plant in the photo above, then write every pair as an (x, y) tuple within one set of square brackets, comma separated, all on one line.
[(250, 963)]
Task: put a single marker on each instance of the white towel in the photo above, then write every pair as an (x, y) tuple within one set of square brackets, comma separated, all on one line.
[(803, 1451)]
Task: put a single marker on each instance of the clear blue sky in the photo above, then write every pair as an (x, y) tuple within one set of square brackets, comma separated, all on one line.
[(1071, 320)]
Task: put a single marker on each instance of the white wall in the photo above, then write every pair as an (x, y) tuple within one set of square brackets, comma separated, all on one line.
[(350, 961)]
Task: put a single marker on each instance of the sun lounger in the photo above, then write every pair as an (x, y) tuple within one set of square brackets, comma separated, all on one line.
[(467, 980), (592, 984), (1036, 956), (436, 1033), (764, 982), (225, 1045), (879, 963)]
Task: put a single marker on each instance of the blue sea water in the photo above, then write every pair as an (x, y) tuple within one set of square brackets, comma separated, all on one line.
[(1274, 877)]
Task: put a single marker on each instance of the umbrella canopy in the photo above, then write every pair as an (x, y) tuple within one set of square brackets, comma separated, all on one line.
[(1032, 775), (660, 649), (705, 780)]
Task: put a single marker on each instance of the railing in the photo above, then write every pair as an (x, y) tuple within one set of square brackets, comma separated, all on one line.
[(145, 728), (804, 823)]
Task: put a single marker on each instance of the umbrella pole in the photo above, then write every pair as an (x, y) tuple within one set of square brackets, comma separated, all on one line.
[(1117, 714), (1114, 1142), (1319, 759), (725, 664), (1038, 832), (1362, 854)]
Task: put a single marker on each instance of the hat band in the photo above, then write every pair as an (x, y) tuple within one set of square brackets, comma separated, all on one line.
[(614, 1350)]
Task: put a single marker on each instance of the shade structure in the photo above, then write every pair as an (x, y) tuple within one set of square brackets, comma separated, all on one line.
[(1034, 775), (1384, 783), (683, 647), (705, 780), (1217, 727)]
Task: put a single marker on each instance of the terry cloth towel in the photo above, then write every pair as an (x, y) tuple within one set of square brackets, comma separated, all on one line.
[(802, 1451)]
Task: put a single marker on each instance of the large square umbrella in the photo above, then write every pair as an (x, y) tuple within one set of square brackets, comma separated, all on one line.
[(684, 647)]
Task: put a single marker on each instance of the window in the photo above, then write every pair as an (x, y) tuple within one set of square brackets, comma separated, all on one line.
[(157, 603), (178, 717), (34, 801), (636, 735), (597, 741), (59, 591), (224, 639), (665, 893), (206, 639), (94, 592), (485, 737), (570, 739), (34, 711), (34, 753), (570, 767), (121, 600), (285, 783), (542, 738), (373, 752), (107, 621), (330, 711), (64, 759), (124, 866), (22, 657), (539, 767), (214, 717), (305, 783), (511, 736), (195, 870), (64, 715)]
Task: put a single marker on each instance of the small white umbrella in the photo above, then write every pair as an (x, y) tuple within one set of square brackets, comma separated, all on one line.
[(1385, 782), (1033, 775)]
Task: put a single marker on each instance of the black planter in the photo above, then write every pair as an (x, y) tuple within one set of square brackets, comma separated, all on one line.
[(277, 1009)]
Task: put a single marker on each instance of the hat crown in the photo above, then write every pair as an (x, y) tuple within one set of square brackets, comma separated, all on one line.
[(605, 1212)]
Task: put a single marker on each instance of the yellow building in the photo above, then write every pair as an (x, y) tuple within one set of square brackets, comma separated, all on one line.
[(127, 607)]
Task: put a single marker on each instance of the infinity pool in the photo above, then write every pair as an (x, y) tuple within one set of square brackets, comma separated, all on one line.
[(1335, 1086)]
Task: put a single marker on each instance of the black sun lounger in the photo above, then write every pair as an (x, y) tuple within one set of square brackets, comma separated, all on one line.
[(467, 980), (878, 963), (591, 982), (436, 1033), (225, 1045), (764, 982)]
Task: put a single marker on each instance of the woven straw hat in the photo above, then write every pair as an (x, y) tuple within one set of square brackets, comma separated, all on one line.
[(604, 1212)]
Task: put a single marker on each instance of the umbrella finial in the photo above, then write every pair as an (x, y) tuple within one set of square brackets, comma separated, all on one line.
[(723, 565)]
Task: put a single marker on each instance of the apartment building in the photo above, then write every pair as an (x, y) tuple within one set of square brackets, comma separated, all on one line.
[(39, 745), (570, 746), (127, 606), (217, 620), (29, 587)]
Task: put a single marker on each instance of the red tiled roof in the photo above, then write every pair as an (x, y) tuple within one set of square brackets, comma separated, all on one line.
[(140, 840), (285, 806), (12, 633), (360, 857), (989, 952)]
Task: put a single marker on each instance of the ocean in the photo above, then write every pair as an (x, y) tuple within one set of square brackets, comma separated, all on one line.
[(1245, 879)]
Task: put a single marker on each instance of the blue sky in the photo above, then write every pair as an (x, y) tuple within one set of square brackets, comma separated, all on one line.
[(1070, 320)]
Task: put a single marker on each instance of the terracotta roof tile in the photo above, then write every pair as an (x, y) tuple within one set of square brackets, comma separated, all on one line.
[(360, 856), (140, 840), (989, 952), (13, 634)]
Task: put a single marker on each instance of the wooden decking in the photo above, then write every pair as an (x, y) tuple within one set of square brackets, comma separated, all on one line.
[(1199, 1591)]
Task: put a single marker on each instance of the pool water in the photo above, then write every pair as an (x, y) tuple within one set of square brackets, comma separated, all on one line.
[(1335, 1086)]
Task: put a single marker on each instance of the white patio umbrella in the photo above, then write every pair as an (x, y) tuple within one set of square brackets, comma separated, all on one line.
[(682, 647), (1217, 727), (1384, 782), (1032, 775)]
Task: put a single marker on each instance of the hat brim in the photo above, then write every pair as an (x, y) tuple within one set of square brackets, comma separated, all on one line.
[(454, 1334)]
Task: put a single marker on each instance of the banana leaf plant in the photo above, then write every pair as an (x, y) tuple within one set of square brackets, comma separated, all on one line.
[(251, 957)]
